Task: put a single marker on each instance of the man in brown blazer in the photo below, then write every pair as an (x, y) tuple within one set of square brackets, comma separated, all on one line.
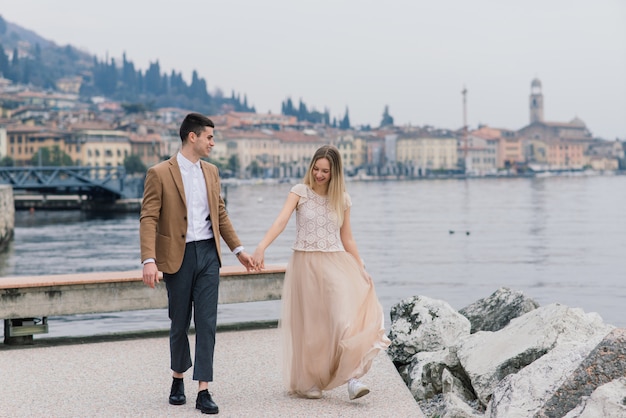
[(182, 219)]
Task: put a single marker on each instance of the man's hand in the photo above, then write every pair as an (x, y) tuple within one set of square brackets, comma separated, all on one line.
[(150, 274), (245, 259)]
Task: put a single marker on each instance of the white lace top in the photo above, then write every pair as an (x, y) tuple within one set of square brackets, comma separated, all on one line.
[(316, 223)]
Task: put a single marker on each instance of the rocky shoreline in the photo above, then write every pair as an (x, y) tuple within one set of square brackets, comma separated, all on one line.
[(505, 356)]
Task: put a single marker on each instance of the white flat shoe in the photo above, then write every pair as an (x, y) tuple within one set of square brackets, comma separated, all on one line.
[(356, 389), (313, 393)]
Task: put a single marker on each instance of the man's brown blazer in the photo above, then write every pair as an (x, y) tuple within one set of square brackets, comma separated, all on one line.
[(163, 220)]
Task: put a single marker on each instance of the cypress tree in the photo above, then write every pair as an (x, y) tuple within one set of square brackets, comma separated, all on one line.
[(4, 62), (345, 122)]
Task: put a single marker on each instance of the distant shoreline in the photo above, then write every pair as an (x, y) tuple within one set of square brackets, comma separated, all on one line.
[(540, 174), (26, 201)]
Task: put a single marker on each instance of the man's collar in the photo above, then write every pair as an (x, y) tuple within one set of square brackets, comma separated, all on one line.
[(184, 162)]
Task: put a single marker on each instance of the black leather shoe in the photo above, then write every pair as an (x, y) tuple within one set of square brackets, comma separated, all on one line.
[(205, 404), (177, 394)]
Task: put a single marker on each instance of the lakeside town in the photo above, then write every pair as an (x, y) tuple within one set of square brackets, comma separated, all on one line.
[(42, 127)]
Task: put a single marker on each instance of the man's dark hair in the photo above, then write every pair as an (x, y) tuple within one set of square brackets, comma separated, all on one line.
[(194, 122)]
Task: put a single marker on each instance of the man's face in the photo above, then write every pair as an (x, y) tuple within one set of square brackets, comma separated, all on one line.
[(203, 142)]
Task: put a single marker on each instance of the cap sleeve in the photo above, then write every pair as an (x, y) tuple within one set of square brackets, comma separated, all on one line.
[(299, 189), (347, 201)]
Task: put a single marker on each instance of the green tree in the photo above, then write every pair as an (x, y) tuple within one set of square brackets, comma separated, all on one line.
[(255, 169), (198, 88), (38, 53), (153, 84), (70, 53), (3, 26), (287, 108), (54, 156), (303, 112), (345, 122), (141, 108), (233, 164), (326, 116), (133, 164), (14, 73), (4, 63), (129, 75), (7, 161)]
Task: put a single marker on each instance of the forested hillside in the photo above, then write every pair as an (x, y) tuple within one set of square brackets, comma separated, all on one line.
[(27, 58)]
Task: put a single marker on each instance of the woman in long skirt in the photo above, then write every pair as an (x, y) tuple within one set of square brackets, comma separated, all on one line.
[(332, 321)]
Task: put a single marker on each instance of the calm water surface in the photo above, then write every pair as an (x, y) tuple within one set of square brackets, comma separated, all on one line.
[(558, 239)]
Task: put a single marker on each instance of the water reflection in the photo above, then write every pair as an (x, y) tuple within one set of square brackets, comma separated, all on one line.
[(537, 224)]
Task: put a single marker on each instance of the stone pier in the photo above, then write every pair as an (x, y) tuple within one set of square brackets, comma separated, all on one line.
[(7, 215)]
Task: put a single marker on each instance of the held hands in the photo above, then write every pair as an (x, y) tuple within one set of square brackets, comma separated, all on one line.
[(247, 261), (150, 274), (259, 258)]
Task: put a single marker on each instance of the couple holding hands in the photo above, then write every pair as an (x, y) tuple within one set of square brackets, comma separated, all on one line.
[(332, 321)]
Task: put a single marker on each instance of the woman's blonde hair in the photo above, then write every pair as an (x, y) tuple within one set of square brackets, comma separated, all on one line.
[(336, 185)]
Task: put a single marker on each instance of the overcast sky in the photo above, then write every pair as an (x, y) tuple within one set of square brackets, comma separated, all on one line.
[(414, 56)]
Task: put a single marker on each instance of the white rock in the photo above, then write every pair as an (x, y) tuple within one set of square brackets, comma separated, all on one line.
[(424, 324), (488, 357), (607, 401), (523, 394), (456, 408), (424, 374), (452, 384)]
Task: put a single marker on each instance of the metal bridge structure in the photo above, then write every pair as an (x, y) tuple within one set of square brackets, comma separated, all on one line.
[(97, 183)]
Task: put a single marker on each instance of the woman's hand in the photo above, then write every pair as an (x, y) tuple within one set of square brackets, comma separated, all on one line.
[(258, 258)]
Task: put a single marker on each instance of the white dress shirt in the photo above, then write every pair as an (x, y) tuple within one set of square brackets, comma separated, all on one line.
[(198, 220)]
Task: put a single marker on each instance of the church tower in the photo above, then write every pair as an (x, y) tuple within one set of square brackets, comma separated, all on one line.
[(536, 101)]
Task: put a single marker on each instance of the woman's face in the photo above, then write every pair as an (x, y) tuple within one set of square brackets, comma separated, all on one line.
[(321, 172)]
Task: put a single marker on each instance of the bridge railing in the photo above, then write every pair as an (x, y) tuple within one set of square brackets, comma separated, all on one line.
[(93, 181)]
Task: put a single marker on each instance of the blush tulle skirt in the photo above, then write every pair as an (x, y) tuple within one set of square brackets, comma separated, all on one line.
[(332, 322)]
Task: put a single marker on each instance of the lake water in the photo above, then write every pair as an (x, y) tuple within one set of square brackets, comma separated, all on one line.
[(557, 239)]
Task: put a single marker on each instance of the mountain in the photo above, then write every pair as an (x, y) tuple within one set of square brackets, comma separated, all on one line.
[(28, 58), (15, 33)]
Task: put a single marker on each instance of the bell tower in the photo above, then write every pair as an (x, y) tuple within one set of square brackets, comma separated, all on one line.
[(536, 101)]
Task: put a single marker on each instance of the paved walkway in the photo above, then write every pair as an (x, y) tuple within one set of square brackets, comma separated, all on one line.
[(131, 378)]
